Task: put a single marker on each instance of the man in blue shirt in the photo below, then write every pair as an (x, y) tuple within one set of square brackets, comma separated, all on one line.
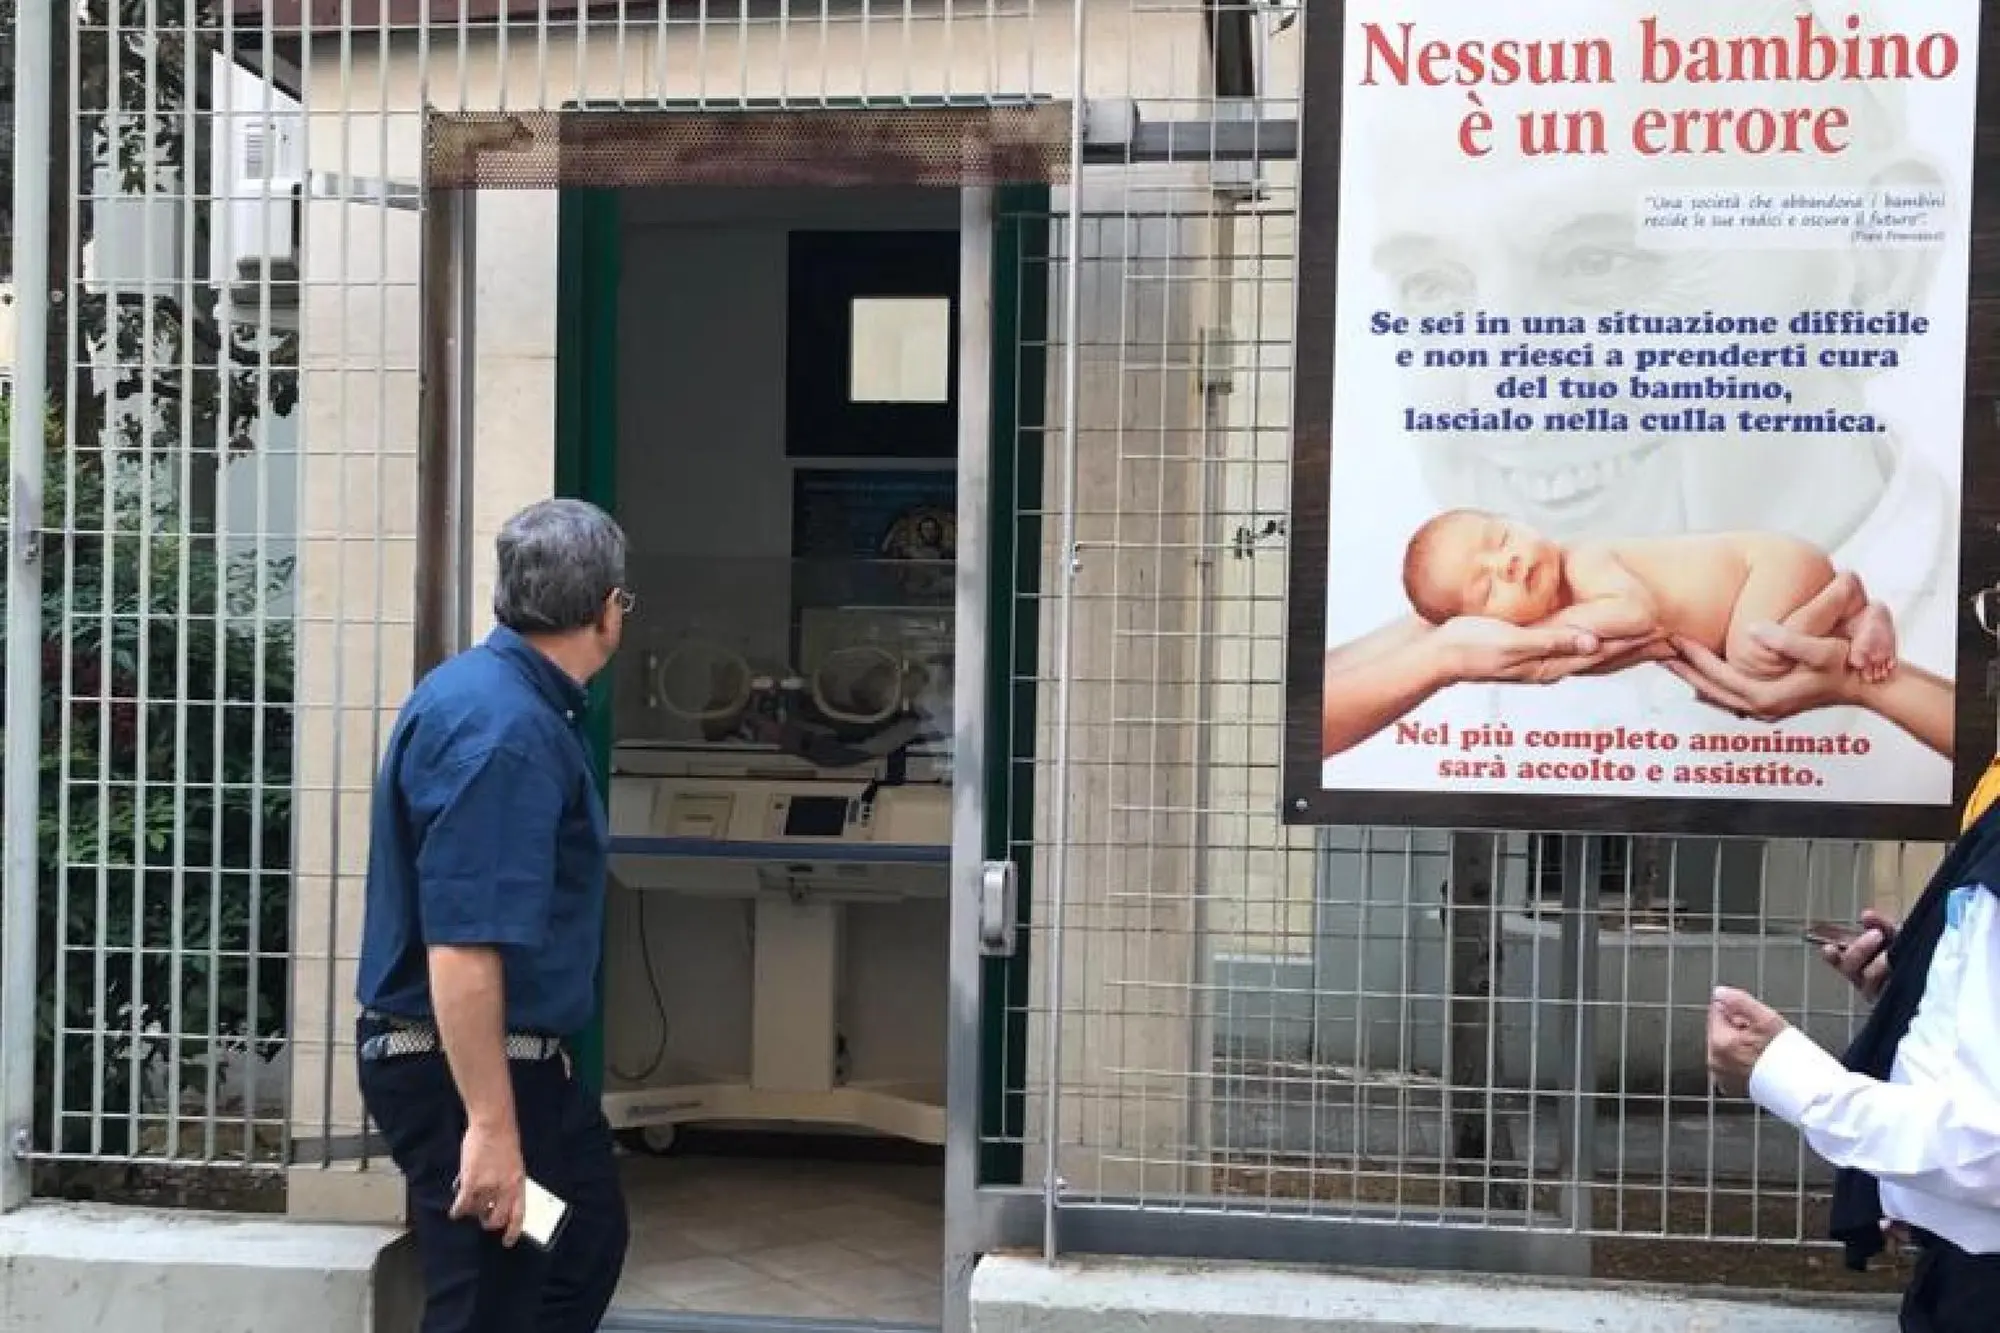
[(480, 948)]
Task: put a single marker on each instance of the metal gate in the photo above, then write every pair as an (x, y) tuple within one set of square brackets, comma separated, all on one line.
[(1227, 1037), (1201, 1033)]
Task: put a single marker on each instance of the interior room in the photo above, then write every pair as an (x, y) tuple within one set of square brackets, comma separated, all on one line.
[(775, 973)]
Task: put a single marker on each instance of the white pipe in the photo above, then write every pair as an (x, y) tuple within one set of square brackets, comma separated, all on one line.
[(1065, 621), (33, 92)]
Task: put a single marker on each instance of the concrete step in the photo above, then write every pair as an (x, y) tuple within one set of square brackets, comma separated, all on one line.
[(1021, 1295), (672, 1321)]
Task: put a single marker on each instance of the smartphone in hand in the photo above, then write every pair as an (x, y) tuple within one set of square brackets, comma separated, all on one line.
[(545, 1216), (1831, 934), (1839, 936)]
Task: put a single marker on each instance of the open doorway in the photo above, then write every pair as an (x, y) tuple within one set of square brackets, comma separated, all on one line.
[(765, 394)]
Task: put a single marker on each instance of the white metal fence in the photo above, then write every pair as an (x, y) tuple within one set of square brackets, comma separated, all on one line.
[(212, 614), (152, 850)]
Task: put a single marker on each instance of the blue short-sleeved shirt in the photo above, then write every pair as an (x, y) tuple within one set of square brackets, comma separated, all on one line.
[(488, 829)]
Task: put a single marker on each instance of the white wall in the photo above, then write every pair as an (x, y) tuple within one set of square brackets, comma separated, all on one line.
[(257, 147)]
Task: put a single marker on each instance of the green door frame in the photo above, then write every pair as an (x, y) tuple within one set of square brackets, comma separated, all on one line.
[(1020, 406), (589, 248), (590, 251)]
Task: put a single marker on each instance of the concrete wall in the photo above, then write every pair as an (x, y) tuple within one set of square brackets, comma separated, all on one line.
[(123, 1270), (1017, 1295)]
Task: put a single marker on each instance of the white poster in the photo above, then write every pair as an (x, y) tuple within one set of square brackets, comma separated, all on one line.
[(1645, 437)]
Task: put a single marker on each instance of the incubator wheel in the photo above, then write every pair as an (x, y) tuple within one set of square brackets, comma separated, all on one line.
[(650, 1140)]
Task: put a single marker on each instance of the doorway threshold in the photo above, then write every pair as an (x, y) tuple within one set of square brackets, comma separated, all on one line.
[(687, 1321)]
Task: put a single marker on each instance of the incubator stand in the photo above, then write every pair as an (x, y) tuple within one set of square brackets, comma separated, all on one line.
[(801, 844)]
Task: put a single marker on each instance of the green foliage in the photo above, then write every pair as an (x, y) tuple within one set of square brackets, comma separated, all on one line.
[(166, 757), (166, 800)]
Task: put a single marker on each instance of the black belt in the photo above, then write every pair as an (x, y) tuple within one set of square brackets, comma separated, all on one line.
[(402, 1037)]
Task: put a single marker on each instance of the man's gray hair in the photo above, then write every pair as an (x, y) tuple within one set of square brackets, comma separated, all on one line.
[(560, 561)]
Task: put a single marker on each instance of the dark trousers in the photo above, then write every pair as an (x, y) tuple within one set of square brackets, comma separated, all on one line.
[(473, 1283), (1952, 1291)]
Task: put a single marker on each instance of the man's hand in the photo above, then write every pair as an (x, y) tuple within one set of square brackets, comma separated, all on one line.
[(1864, 960), (492, 1182), (468, 989), (1740, 1030)]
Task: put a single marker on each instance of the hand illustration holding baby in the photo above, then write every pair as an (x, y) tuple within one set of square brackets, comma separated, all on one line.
[(1759, 625), (1718, 593)]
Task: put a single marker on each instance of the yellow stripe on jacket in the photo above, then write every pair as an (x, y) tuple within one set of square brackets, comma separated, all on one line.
[(1982, 795)]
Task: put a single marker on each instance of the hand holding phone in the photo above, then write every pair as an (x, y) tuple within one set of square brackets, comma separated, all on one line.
[(543, 1217), (1858, 952), (1837, 935), (542, 1214), (1831, 934)]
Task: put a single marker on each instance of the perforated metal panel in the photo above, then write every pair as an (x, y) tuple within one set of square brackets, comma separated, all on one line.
[(608, 150)]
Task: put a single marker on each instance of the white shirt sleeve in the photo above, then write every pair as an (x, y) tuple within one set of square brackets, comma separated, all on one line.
[(1940, 1137)]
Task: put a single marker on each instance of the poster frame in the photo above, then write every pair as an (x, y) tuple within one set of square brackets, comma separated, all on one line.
[(1304, 801)]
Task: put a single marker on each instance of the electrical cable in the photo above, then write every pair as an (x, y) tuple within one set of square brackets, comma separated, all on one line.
[(659, 1004)]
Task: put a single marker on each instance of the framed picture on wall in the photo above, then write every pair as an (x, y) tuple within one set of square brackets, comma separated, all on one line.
[(1640, 487)]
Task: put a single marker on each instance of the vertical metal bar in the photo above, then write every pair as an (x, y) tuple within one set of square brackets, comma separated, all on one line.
[(33, 92), (101, 1011), (186, 519), (436, 490), (137, 1046), (1579, 989), (311, 226), (67, 782), (271, 127), (444, 475), (1065, 634), (346, 376), (1212, 437), (379, 484), (224, 188), (465, 325), (968, 754)]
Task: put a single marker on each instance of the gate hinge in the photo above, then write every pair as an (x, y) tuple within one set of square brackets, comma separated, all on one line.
[(997, 899), (1217, 374)]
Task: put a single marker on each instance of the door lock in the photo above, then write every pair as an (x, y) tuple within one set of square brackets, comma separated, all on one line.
[(996, 909)]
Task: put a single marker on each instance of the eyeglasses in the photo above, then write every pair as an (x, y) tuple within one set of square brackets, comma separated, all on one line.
[(627, 599)]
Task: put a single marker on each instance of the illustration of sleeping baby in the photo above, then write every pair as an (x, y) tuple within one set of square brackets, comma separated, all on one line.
[(1712, 588)]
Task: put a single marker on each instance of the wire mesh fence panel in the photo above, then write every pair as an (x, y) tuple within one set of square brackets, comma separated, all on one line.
[(167, 662), (1229, 1016)]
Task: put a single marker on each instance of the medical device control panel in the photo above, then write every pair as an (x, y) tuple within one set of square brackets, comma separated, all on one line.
[(751, 810)]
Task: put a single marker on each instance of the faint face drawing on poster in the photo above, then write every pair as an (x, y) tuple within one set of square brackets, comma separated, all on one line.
[(1551, 236)]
